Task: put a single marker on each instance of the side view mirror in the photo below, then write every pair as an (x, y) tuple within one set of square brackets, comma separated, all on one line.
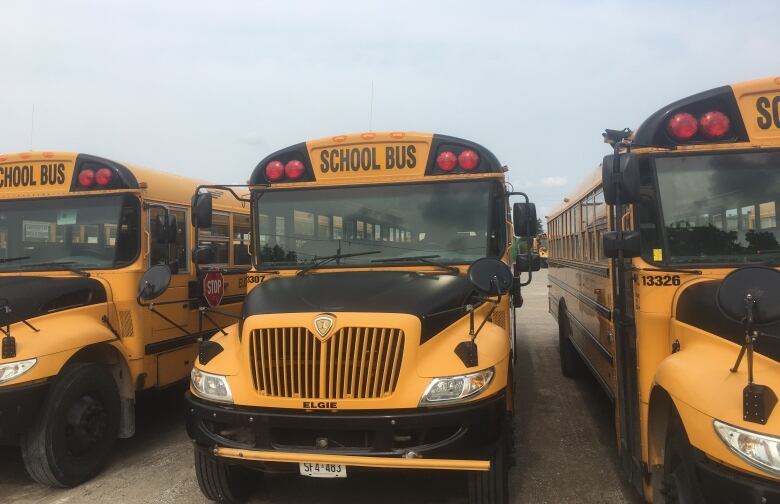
[(522, 264), (524, 219), (203, 255), (759, 283), (166, 229), (154, 282), (201, 210), (490, 276), (627, 179), (630, 242)]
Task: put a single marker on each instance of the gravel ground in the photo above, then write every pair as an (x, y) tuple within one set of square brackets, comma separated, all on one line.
[(565, 435)]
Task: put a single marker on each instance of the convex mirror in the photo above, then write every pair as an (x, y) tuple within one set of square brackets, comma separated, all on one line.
[(762, 283), (490, 276), (154, 282)]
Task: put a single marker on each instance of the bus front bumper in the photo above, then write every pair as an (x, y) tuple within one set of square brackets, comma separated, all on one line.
[(721, 484), (448, 438), (19, 405)]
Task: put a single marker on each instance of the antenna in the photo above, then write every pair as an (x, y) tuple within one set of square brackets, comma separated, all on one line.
[(371, 108), (32, 126)]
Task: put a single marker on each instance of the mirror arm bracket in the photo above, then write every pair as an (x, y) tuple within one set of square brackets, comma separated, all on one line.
[(219, 328)]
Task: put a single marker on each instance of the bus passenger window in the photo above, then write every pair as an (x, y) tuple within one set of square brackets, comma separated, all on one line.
[(241, 240), (217, 237)]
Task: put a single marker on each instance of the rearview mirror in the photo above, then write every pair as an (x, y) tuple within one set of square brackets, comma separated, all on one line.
[(154, 282), (522, 264), (166, 229), (627, 179), (524, 219), (201, 210), (490, 276), (628, 241), (204, 255), (762, 284)]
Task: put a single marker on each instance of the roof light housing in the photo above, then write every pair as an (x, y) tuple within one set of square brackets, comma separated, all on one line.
[(715, 113)]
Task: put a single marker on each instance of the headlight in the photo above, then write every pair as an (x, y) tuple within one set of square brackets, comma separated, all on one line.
[(456, 388), (11, 370), (757, 449), (210, 386)]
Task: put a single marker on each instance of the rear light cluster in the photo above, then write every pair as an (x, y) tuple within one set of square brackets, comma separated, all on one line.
[(291, 170), (467, 160), (96, 177), (713, 125)]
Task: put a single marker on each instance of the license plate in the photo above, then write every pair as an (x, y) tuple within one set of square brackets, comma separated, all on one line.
[(323, 470)]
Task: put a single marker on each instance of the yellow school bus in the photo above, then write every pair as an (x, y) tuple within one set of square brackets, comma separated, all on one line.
[(664, 282), (540, 248), (378, 332), (76, 234)]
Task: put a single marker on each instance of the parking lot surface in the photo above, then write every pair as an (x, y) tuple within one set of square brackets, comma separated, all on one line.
[(564, 433)]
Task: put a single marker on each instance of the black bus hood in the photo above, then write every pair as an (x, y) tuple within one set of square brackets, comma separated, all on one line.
[(421, 295), (33, 296), (698, 306)]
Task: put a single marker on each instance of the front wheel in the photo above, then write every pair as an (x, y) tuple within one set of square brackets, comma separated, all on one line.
[(71, 439), (222, 482), (680, 485), (492, 486)]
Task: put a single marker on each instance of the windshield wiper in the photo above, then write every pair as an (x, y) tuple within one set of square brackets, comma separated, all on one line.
[(325, 260), (12, 259), (60, 265), (423, 259)]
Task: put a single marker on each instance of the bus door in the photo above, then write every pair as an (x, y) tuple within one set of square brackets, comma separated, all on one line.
[(168, 342)]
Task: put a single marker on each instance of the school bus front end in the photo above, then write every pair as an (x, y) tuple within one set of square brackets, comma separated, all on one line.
[(76, 234), (698, 372), (354, 349)]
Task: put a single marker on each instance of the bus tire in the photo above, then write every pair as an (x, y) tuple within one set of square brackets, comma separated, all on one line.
[(222, 482), (571, 361), (492, 486), (70, 440), (679, 485)]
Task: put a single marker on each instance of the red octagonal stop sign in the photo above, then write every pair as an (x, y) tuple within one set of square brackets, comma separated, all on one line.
[(213, 287)]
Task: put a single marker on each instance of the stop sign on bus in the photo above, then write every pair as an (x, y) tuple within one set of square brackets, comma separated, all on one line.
[(213, 287)]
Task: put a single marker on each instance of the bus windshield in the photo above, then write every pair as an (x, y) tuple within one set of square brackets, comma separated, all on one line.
[(714, 208), (448, 220), (80, 232)]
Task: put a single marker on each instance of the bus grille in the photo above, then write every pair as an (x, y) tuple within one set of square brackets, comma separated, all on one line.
[(353, 363)]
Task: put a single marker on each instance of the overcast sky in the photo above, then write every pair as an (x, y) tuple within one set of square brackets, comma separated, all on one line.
[(209, 88)]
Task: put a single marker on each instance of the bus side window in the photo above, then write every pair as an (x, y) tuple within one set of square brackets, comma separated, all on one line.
[(180, 250), (217, 237), (241, 255)]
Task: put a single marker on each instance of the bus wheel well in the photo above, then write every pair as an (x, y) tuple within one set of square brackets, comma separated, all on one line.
[(103, 353), (660, 411)]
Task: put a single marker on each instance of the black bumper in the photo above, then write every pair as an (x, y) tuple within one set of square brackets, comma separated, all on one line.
[(18, 406), (722, 485), (464, 432)]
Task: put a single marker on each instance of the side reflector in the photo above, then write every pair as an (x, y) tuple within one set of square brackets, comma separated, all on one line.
[(87, 178), (446, 161), (714, 124), (468, 159), (683, 126), (274, 170)]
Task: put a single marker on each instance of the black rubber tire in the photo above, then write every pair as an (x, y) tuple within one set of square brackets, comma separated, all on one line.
[(59, 453), (223, 482), (571, 361), (491, 487), (680, 485)]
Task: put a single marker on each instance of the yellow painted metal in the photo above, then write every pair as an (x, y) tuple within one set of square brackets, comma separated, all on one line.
[(354, 460)]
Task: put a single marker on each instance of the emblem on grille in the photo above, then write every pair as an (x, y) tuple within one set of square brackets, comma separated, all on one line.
[(323, 324)]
